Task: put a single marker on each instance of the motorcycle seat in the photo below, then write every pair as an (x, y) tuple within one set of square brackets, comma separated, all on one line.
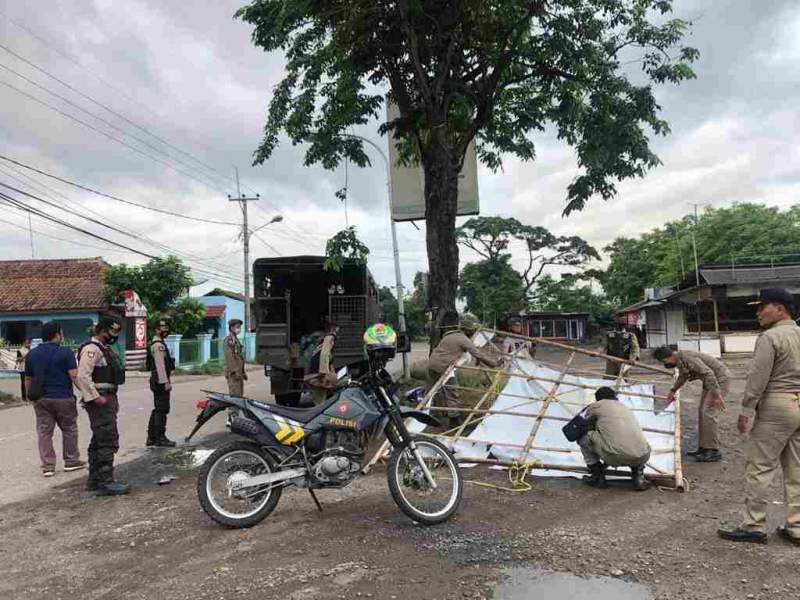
[(302, 415)]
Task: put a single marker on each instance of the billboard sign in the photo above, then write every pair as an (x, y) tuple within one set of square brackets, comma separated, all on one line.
[(408, 182)]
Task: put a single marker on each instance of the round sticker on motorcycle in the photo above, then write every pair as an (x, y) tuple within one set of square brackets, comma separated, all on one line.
[(343, 408)]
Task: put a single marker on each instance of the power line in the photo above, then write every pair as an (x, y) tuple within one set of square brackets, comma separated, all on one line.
[(116, 198), (209, 269), (60, 239), (25, 207), (105, 122), (72, 88), (106, 134), (140, 237)]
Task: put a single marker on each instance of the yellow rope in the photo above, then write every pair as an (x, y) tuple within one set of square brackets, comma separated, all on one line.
[(517, 474)]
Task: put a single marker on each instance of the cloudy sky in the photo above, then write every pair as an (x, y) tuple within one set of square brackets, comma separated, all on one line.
[(184, 73)]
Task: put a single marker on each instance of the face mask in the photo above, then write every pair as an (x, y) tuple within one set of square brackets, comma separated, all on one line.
[(669, 366), (112, 340)]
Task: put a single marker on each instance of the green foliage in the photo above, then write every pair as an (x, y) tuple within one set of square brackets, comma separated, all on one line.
[(344, 245), (494, 72), (491, 237), (159, 282), (413, 305), (568, 295), (492, 290), (742, 232)]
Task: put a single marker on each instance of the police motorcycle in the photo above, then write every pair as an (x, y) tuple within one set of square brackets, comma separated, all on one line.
[(325, 447)]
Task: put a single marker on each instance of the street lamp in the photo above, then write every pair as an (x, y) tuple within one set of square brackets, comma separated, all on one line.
[(401, 314)]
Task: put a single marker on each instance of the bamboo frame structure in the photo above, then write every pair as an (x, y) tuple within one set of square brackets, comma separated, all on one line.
[(478, 411)]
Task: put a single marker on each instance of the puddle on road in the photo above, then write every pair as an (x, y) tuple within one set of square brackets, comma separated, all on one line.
[(188, 458), (535, 584)]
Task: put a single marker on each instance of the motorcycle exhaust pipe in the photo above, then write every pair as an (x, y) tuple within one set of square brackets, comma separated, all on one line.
[(269, 478)]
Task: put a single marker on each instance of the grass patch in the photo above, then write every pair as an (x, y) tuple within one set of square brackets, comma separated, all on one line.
[(210, 368)]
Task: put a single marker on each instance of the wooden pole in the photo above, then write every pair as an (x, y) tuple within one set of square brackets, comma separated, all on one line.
[(543, 409), (580, 351)]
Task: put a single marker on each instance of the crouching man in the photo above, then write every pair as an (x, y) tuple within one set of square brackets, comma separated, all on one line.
[(614, 438)]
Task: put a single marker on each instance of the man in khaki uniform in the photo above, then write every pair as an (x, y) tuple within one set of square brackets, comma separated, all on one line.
[(614, 438), (716, 382), (454, 343), (234, 359), (620, 344), (772, 401), (321, 375), (161, 366), (99, 376)]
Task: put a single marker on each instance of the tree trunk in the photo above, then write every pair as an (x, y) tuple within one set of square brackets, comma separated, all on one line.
[(441, 201)]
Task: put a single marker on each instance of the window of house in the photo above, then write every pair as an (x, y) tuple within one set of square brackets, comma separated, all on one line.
[(535, 328), (561, 329), (573, 330), (547, 329)]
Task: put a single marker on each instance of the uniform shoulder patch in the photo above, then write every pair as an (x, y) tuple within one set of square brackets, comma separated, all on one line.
[(91, 353)]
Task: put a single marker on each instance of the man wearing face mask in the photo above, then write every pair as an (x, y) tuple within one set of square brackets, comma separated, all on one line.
[(716, 381), (772, 402), (161, 366), (234, 364), (99, 376)]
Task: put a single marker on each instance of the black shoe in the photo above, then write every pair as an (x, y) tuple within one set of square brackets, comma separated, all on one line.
[(742, 535), (164, 443), (697, 452), (91, 485), (709, 455), (784, 534), (150, 442), (597, 476), (112, 488), (639, 482)]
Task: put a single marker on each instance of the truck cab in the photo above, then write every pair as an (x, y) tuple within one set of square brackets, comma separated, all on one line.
[(294, 298)]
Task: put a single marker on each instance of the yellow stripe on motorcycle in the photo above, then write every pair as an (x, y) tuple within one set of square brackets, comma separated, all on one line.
[(284, 431), (294, 438)]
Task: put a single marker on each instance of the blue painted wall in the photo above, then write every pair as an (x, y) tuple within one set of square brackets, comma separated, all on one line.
[(234, 309), (73, 324)]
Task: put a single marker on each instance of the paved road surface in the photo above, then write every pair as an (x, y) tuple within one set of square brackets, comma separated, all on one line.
[(20, 475)]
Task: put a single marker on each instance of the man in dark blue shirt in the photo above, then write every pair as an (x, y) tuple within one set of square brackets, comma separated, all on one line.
[(55, 367)]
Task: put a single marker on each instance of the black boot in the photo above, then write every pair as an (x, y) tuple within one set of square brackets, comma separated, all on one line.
[(91, 482), (597, 476), (709, 455), (151, 429), (160, 428), (639, 482), (106, 486)]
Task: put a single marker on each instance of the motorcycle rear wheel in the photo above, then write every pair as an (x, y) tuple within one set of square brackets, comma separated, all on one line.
[(217, 498), (411, 491)]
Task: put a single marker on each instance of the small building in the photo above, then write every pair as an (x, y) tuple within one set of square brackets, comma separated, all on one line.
[(715, 316), (558, 326), (221, 306), (34, 292)]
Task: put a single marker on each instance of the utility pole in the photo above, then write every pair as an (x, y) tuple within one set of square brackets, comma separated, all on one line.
[(401, 313), (242, 200), (694, 246), (30, 230)]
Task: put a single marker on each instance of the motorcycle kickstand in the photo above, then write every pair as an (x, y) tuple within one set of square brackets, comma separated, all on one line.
[(314, 496)]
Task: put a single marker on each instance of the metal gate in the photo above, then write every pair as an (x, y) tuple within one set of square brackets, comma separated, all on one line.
[(350, 314)]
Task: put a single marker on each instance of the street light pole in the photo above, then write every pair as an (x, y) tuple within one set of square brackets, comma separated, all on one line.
[(401, 314), (246, 240)]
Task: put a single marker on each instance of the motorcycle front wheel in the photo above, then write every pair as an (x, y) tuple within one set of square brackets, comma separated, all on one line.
[(411, 490), (218, 476)]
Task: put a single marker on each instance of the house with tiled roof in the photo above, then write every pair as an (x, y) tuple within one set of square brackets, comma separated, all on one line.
[(33, 292), (221, 306)]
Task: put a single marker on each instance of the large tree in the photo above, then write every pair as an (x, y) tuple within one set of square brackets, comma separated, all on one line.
[(459, 71), (740, 233), (160, 284), (491, 237), (492, 290)]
